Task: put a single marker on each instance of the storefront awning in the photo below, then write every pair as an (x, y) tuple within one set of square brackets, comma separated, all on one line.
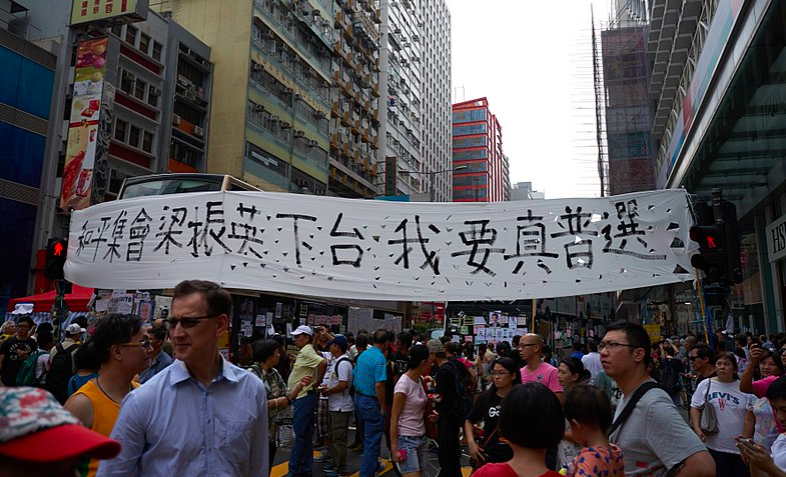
[(77, 300)]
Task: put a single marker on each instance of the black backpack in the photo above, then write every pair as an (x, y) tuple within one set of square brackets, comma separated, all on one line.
[(464, 398), (669, 380), (60, 372)]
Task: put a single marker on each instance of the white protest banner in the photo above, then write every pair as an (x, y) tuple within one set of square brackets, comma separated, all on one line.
[(377, 250)]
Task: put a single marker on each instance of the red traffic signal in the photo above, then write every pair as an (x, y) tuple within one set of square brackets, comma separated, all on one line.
[(56, 253), (712, 253)]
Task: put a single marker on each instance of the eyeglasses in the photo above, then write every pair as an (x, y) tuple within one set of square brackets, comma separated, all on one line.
[(187, 322), (142, 344), (525, 345), (612, 345), (499, 373), (781, 351), (692, 358)]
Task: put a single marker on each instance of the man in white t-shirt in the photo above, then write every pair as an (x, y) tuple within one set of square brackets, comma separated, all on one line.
[(591, 360), (338, 381), (655, 438)]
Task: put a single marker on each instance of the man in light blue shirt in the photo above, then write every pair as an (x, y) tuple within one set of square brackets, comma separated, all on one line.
[(201, 416)]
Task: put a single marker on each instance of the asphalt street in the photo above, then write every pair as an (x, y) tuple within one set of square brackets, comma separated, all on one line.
[(281, 463)]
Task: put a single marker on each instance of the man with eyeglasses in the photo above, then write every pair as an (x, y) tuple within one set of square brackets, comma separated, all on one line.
[(160, 360), (123, 348), (655, 438), (702, 358), (201, 415), (535, 370), (15, 350)]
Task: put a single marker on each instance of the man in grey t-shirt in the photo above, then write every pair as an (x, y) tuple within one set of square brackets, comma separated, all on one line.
[(655, 438)]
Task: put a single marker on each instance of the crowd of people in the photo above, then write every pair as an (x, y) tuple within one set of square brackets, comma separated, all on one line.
[(162, 400)]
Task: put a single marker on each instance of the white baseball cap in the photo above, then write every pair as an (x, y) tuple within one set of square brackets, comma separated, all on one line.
[(302, 329), (74, 328)]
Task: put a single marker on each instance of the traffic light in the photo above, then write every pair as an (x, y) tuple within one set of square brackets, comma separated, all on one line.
[(56, 252), (733, 257), (719, 244), (712, 251)]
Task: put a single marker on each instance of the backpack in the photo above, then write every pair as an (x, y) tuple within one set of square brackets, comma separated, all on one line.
[(26, 375), (464, 398), (60, 372), (669, 380)]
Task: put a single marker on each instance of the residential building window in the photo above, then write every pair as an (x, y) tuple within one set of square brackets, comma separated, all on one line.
[(120, 130), (127, 82), (144, 43), (188, 113), (139, 89), (133, 137), (157, 47), (131, 35), (147, 142), (152, 97)]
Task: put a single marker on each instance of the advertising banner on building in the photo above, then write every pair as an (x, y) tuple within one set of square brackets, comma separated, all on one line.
[(378, 250), (83, 127), (85, 11)]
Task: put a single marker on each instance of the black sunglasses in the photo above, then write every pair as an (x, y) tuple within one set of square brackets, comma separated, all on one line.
[(187, 322)]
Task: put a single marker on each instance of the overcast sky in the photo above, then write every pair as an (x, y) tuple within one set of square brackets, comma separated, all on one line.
[(532, 60)]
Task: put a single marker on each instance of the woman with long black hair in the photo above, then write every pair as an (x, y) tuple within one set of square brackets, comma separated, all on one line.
[(489, 447)]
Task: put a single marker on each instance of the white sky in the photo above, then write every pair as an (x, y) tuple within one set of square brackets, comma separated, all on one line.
[(532, 60)]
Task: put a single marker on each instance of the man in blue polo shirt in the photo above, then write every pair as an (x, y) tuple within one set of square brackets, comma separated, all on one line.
[(369, 381)]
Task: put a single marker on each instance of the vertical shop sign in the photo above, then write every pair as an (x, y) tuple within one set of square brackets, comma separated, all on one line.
[(390, 175), (84, 124)]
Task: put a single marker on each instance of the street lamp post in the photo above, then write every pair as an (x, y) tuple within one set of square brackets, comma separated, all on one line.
[(431, 174)]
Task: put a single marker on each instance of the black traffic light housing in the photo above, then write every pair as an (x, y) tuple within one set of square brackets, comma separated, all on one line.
[(719, 244), (712, 251), (56, 252)]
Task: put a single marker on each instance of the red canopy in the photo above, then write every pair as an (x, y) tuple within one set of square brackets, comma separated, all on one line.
[(77, 300)]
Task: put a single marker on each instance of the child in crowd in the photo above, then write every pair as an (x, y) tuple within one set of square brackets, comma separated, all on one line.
[(531, 421), (588, 410)]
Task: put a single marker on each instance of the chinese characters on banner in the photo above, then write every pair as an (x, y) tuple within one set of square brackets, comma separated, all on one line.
[(333, 247), (84, 124)]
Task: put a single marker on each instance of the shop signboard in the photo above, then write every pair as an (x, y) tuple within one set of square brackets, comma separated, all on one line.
[(86, 11), (84, 124), (381, 250), (776, 240)]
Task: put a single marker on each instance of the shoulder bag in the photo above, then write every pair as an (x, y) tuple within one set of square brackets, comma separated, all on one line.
[(431, 427), (708, 423)]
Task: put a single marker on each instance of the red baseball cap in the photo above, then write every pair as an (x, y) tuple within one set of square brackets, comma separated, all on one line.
[(38, 429)]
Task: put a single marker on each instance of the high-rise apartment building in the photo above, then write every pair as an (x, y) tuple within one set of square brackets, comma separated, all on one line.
[(354, 122), (401, 83), (479, 165), (435, 104), (272, 92)]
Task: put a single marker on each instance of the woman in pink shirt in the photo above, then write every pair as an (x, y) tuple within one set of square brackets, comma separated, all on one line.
[(770, 367), (408, 444)]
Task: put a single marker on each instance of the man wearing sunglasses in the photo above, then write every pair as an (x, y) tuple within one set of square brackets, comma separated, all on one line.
[(655, 438), (123, 348), (201, 415)]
